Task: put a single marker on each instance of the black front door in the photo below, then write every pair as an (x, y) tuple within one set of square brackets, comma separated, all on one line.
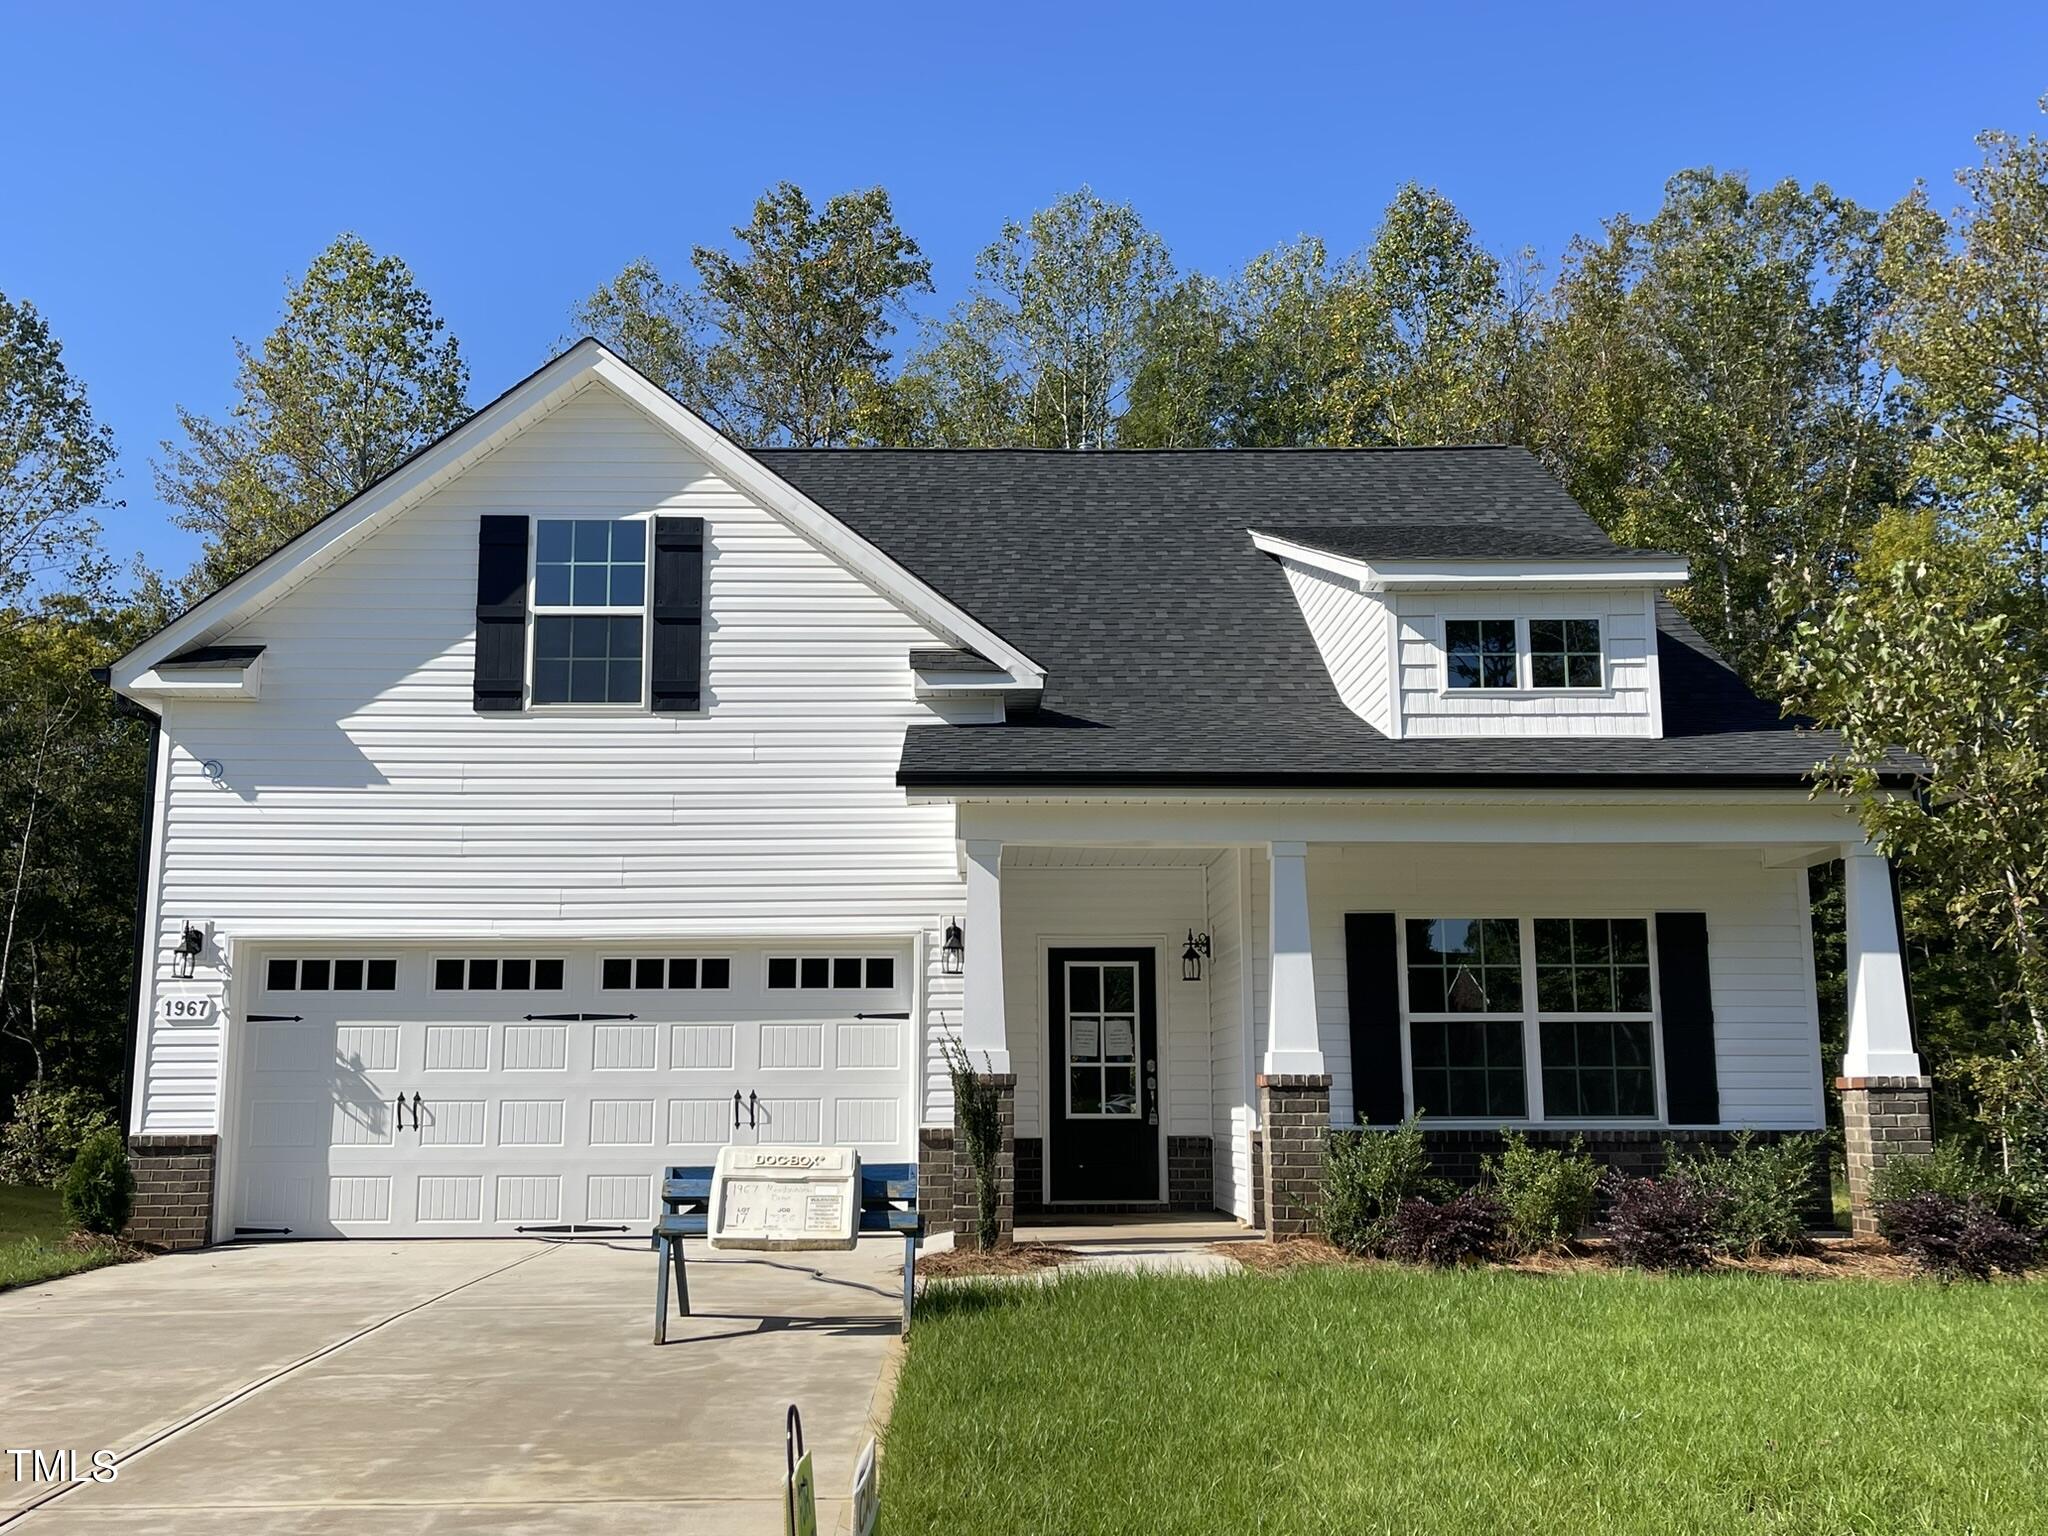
[(1103, 1128)]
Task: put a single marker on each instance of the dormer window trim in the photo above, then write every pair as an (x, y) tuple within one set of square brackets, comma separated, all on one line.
[(1525, 685)]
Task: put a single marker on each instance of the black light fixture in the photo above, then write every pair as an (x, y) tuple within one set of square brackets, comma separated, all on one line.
[(186, 956), (1192, 957), (953, 953)]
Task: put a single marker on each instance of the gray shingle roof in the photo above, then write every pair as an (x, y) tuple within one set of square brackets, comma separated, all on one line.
[(1175, 652), (945, 659)]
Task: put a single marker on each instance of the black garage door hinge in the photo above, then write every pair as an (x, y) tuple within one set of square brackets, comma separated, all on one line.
[(571, 1229), (580, 1018), (274, 1018)]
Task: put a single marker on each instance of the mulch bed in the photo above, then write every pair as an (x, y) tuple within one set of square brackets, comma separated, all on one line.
[(1830, 1258), (1017, 1259)]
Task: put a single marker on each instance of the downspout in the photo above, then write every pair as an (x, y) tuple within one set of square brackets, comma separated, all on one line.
[(145, 837)]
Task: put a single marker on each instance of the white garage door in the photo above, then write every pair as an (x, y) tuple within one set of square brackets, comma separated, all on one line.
[(388, 1093)]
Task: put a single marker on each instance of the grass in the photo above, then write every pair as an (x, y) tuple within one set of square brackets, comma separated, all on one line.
[(35, 1239), (1393, 1400)]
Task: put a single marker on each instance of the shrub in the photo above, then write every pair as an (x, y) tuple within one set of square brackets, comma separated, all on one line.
[(2013, 1094), (1756, 1192), (1366, 1176), (1461, 1230), (50, 1124), (977, 1109), (1658, 1223), (100, 1189), (1955, 1237), (1956, 1171), (1546, 1194)]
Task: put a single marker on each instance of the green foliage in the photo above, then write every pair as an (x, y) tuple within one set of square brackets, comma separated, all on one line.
[(55, 462), (977, 1116), (1708, 385), (50, 1125), (1955, 1170), (100, 1188), (782, 341), (1044, 352), (1366, 1177), (356, 378), (1547, 1193), (2012, 1092), (1758, 1193)]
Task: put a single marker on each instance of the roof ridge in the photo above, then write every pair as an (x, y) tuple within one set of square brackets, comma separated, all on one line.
[(1303, 449)]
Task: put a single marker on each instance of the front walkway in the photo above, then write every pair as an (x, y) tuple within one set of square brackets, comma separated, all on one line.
[(440, 1386)]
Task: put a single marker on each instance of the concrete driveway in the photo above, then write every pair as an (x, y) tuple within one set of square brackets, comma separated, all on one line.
[(439, 1386)]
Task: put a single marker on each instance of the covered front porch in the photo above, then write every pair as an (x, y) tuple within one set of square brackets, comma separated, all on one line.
[(1181, 998)]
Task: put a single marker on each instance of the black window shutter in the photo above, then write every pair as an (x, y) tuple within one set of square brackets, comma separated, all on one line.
[(1374, 987), (1685, 997), (676, 648), (500, 613)]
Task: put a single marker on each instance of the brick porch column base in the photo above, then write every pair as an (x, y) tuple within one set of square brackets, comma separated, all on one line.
[(1882, 1118), (173, 1190), (966, 1203), (1294, 1117)]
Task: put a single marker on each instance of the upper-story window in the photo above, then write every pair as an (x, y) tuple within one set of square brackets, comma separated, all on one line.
[(589, 610), (1481, 653), (1564, 653), (1488, 654)]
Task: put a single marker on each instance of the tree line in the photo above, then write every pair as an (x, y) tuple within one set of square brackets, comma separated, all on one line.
[(1839, 413)]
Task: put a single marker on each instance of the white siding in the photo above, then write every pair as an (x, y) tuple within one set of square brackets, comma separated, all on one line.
[(1626, 707), (1766, 1029), (362, 797), (1048, 902), (1230, 1090), (1351, 630)]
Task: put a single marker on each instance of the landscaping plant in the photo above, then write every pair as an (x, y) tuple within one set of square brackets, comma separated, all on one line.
[(1954, 1170), (977, 1112), (1658, 1223), (1366, 1177), (100, 1189), (1956, 1237), (1546, 1194), (50, 1124), (1462, 1230), (1757, 1193)]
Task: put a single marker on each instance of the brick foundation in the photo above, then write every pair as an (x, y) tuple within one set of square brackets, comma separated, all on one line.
[(1190, 1173), (1031, 1178), (173, 1190), (1882, 1118), (935, 1177), (966, 1216), (1294, 1117)]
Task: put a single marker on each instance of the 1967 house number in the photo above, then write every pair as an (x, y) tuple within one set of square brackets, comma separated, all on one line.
[(184, 1010)]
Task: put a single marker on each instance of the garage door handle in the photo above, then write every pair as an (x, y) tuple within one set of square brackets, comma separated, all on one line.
[(415, 1111), (398, 1106), (735, 1109), (753, 1107)]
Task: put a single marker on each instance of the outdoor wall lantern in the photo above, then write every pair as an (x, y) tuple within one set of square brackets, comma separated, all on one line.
[(186, 956), (1192, 957), (953, 953)]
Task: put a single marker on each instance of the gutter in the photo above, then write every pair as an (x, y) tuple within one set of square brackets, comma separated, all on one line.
[(1009, 778)]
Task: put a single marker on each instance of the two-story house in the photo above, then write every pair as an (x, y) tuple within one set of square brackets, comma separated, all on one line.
[(593, 792)]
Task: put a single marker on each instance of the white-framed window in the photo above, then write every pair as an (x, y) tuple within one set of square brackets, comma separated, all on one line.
[(665, 973), (1480, 653), (490, 973), (1543, 1019), (330, 973), (589, 612), (1550, 655), (1102, 1040), (1565, 653), (830, 973)]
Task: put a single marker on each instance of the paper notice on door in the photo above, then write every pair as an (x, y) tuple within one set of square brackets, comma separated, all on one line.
[(1084, 1042), (1117, 1044)]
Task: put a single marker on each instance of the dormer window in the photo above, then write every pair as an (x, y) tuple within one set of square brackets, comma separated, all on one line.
[(1481, 653), (1564, 653), (1487, 654), (589, 607)]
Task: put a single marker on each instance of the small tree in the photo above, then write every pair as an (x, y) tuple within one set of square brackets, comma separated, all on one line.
[(978, 1116), (99, 1191)]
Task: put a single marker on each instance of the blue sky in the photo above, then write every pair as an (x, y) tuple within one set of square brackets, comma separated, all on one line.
[(167, 168)]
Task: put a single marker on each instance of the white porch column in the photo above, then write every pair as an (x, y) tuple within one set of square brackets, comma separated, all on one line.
[(1880, 1029), (1294, 1047), (982, 1030)]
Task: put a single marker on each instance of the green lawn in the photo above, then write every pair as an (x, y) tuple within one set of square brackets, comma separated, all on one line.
[(1390, 1400), (33, 1235)]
